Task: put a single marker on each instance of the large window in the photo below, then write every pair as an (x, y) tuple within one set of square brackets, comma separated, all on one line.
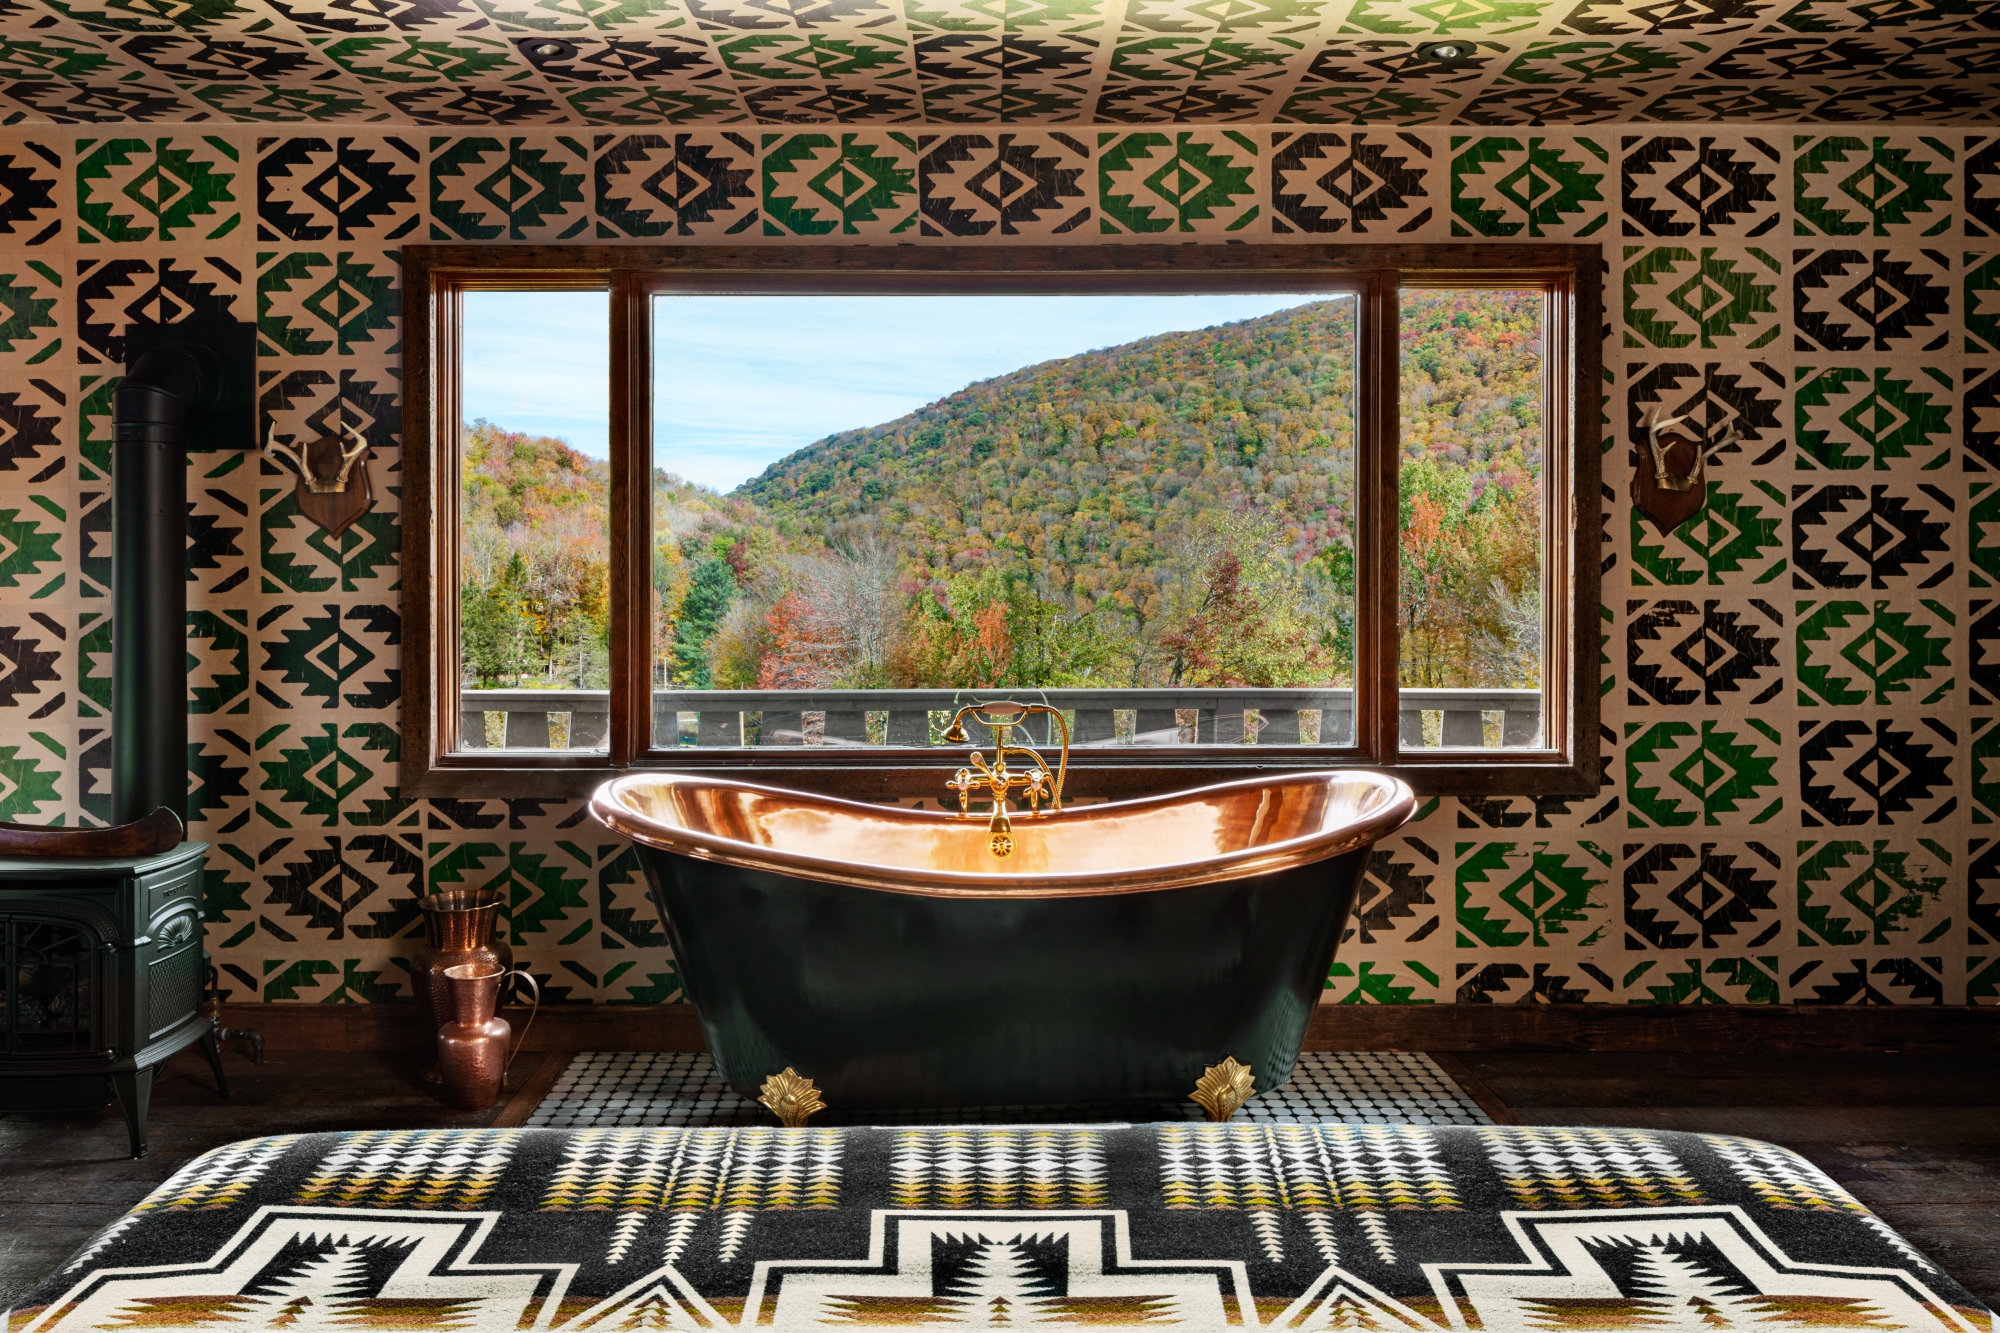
[(786, 509)]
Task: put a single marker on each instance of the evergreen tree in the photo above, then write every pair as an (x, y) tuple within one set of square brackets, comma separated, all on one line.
[(493, 629), (712, 588)]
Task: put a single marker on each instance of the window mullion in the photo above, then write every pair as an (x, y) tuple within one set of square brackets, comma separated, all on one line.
[(1375, 721), (631, 519)]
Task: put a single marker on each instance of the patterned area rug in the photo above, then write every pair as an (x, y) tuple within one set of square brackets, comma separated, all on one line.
[(599, 1089), (1194, 1226)]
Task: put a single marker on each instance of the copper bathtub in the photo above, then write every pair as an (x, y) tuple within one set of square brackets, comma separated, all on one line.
[(1122, 948)]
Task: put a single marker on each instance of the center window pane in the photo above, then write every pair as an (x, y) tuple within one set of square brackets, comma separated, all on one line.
[(867, 509)]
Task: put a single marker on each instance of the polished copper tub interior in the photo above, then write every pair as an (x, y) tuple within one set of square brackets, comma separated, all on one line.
[(1229, 831)]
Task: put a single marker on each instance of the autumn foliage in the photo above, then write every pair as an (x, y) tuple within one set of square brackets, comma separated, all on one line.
[(1173, 512)]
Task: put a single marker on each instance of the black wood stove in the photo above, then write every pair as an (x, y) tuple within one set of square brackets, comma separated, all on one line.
[(103, 981), (101, 929)]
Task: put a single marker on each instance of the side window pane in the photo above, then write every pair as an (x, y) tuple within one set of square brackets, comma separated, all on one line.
[(1472, 581), (535, 522), (870, 509)]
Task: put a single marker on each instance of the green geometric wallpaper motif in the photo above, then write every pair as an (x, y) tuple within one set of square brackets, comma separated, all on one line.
[(1801, 706), (1532, 188), (653, 65)]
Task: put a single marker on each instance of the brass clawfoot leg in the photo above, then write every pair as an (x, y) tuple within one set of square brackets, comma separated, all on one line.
[(1222, 1089), (791, 1097)]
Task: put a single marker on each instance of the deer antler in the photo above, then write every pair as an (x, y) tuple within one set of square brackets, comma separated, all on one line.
[(283, 451), (298, 458), (1668, 481), (348, 457)]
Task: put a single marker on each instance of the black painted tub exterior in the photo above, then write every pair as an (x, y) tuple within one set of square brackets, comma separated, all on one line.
[(895, 1000)]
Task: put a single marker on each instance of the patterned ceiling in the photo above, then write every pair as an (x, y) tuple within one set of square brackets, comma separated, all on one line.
[(653, 62)]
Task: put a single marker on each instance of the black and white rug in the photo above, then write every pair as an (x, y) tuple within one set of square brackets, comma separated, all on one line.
[(610, 1088), (1110, 1227)]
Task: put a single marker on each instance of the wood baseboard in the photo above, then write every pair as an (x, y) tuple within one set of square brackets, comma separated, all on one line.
[(390, 1027), (1453, 1027), (1608, 1027)]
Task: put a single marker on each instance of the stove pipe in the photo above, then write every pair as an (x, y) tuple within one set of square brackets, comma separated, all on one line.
[(163, 389)]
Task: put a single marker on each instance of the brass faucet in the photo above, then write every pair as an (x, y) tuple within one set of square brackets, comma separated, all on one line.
[(999, 781)]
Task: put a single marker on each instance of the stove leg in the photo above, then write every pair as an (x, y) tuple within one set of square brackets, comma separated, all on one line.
[(135, 1094), (211, 1046)]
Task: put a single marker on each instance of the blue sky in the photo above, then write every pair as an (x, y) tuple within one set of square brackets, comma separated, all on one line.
[(741, 381)]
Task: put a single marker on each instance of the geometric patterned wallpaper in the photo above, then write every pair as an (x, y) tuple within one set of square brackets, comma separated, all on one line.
[(1801, 720), (650, 63)]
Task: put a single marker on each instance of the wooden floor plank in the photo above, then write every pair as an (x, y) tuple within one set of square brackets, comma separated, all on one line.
[(1937, 1124), (1775, 1078), (534, 1087), (1475, 1087)]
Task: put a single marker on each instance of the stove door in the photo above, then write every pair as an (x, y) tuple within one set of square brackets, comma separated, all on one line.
[(54, 993)]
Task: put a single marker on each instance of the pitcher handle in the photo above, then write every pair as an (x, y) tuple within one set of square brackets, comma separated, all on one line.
[(523, 974)]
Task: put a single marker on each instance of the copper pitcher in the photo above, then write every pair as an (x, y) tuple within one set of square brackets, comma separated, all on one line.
[(472, 1048), (458, 928)]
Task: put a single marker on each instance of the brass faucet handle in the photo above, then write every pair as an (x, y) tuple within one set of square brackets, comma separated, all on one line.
[(963, 782)]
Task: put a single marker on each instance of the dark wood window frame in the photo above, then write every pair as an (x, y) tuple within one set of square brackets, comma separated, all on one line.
[(435, 277)]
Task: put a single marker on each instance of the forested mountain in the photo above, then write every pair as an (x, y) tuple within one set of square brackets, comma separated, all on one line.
[(1172, 511), (1078, 470)]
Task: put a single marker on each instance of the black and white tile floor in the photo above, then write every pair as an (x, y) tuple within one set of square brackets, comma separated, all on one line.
[(626, 1088)]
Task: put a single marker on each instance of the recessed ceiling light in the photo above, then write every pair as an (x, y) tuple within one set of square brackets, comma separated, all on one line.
[(551, 50), (1444, 52)]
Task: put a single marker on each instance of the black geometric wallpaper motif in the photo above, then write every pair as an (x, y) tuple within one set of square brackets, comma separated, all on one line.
[(1982, 667), (1348, 183), (339, 189), (1863, 301), (1870, 537), (1680, 653), (1852, 771), (1701, 895), (1800, 797), (1704, 186), (1982, 872), (1980, 418)]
